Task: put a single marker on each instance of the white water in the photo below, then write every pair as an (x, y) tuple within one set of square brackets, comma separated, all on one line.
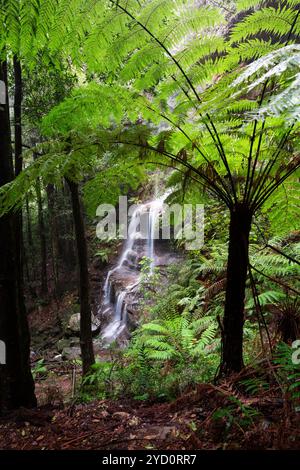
[(123, 280)]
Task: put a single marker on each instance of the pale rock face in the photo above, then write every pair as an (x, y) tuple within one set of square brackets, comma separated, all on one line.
[(71, 353), (74, 324)]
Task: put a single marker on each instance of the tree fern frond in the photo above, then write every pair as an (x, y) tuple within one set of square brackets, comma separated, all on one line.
[(247, 4), (271, 20)]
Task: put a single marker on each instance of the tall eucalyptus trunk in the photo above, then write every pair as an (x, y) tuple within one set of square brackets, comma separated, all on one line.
[(16, 383), (86, 340), (43, 238)]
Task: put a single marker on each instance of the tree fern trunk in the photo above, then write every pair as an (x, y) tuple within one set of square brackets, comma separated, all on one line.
[(86, 341), (232, 344)]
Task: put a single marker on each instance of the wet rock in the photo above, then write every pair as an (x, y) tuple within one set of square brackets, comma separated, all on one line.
[(99, 263), (132, 319), (57, 358), (71, 353), (74, 341), (62, 344), (33, 356), (73, 327), (121, 415)]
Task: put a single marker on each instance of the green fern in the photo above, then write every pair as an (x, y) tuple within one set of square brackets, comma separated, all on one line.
[(177, 338), (289, 370)]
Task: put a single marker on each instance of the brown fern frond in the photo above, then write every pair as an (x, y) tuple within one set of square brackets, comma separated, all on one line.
[(215, 288)]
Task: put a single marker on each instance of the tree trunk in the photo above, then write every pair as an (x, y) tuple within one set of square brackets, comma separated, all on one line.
[(29, 253), (16, 383), (53, 243), (43, 241), (68, 252), (19, 243), (232, 334), (86, 341)]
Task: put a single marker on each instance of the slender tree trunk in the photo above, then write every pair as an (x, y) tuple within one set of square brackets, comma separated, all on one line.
[(69, 250), (86, 341), (232, 334), (16, 383), (29, 239), (53, 236), (43, 242), (29, 228), (29, 253)]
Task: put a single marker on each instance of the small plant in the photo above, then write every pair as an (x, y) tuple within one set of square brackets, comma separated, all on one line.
[(149, 275), (100, 382), (288, 321), (103, 255), (39, 369), (255, 385), (236, 414)]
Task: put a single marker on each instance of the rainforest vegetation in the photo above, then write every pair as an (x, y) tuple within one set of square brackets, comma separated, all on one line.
[(129, 344)]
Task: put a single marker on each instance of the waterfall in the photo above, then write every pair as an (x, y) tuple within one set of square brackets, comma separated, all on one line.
[(120, 306), (155, 210), (128, 249), (122, 280)]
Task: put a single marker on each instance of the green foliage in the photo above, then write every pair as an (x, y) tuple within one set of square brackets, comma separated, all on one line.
[(172, 50), (283, 209), (275, 270), (272, 20), (287, 359), (113, 179), (102, 254), (162, 85), (39, 369), (98, 382), (177, 338), (88, 107), (43, 88), (284, 62), (150, 276), (30, 26), (255, 385), (236, 413)]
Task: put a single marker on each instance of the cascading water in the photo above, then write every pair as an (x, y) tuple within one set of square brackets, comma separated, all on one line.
[(123, 280)]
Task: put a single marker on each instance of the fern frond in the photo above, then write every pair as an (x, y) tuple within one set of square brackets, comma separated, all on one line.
[(271, 20)]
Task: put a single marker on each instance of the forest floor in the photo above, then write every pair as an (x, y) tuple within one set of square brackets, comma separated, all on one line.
[(190, 422), (209, 416)]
